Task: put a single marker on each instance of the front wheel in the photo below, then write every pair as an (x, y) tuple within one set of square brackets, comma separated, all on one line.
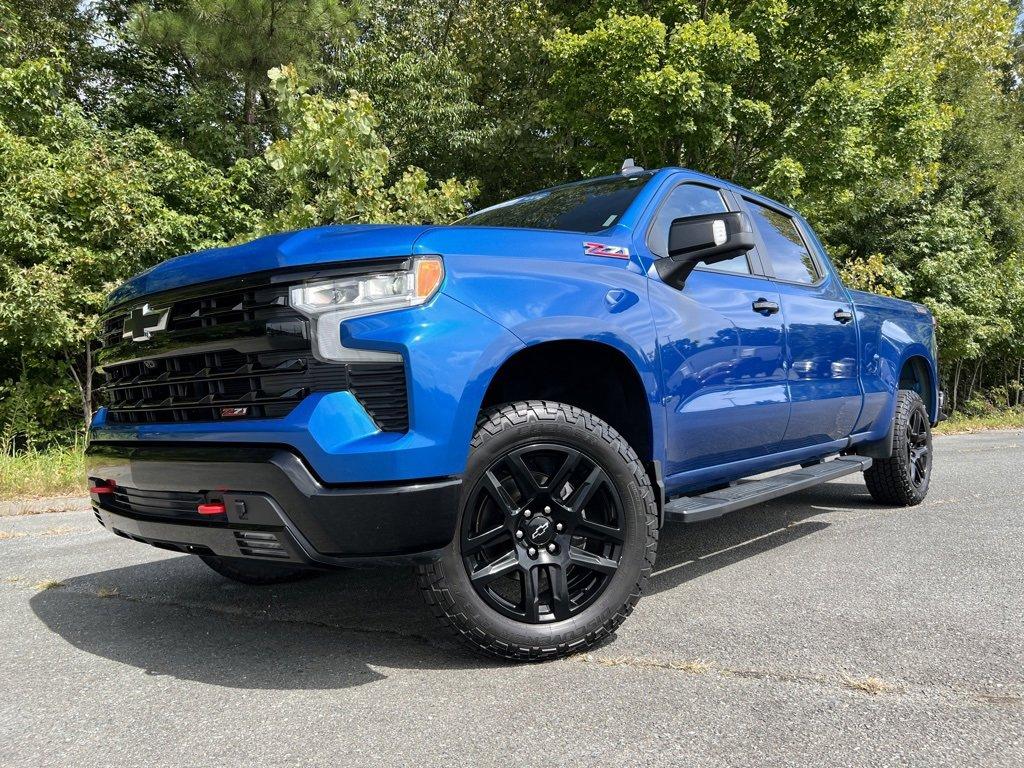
[(903, 479), (557, 536)]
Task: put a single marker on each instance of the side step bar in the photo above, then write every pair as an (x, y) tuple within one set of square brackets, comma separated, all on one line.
[(692, 509)]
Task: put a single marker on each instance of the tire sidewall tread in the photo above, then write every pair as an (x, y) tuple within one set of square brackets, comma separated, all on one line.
[(888, 480)]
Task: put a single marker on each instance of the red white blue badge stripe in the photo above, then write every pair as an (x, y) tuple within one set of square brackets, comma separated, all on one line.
[(608, 251)]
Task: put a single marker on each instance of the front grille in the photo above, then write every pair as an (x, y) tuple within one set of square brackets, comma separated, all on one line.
[(233, 355)]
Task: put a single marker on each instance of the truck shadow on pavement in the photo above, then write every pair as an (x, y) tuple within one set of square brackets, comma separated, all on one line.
[(173, 616)]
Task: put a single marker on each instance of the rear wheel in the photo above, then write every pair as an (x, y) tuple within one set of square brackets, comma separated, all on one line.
[(557, 535), (256, 571), (903, 478)]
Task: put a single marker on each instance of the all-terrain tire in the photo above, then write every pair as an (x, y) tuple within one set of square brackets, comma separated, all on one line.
[(257, 572), (903, 479), (446, 584)]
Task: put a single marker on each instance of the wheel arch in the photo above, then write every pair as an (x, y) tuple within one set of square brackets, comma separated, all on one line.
[(568, 371), (917, 374)]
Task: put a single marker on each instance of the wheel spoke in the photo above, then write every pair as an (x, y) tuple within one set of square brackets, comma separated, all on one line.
[(531, 595), (501, 567), (560, 605), (586, 491), (499, 494), (558, 480), (585, 559), (474, 544), (591, 529), (522, 475)]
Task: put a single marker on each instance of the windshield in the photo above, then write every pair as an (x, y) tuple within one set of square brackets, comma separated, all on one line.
[(586, 206)]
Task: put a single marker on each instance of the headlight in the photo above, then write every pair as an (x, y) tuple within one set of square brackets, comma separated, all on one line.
[(329, 302)]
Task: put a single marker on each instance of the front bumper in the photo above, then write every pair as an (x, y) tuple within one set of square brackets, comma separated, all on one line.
[(275, 508)]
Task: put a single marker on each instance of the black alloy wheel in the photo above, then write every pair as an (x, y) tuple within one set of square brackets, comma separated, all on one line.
[(542, 534), (919, 447), (558, 532)]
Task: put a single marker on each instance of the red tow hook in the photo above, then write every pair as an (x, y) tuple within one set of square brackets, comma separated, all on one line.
[(103, 487), (212, 508)]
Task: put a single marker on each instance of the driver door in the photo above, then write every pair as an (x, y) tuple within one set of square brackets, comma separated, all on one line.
[(721, 345)]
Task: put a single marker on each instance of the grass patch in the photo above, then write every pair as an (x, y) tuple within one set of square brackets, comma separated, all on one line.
[(5, 535), (108, 592), (1011, 418), (57, 472), (48, 584)]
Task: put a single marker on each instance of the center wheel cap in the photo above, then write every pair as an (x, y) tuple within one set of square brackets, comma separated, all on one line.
[(540, 530)]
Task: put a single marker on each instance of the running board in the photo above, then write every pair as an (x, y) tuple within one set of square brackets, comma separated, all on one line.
[(692, 509)]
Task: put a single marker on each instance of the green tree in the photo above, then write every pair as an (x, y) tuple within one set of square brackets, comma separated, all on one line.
[(333, 167), (222, 50), (456, 85)]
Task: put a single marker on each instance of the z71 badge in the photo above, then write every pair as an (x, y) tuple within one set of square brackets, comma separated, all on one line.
[(608, 251)]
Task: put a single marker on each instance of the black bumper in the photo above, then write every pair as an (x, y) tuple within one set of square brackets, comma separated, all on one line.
[(274, 507)]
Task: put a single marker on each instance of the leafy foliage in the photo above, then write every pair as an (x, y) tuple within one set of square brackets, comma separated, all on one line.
[(336, 169)]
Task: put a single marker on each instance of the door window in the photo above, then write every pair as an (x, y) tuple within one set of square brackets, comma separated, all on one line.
[(691, 200), (791, 260)]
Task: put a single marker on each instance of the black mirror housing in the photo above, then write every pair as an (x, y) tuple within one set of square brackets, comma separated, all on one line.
[(708, 239)]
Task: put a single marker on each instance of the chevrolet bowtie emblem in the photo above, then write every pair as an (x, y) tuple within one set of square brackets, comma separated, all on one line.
[(142, 322)]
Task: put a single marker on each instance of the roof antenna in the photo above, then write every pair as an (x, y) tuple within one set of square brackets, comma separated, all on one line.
[(629, 168)]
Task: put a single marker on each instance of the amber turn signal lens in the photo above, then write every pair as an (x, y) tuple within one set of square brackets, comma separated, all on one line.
[(429, 273)]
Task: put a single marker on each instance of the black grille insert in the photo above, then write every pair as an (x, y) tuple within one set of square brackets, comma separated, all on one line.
[(236, 354)]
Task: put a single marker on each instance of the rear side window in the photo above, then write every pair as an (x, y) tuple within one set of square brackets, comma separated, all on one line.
[(790, 258), (691, 200)]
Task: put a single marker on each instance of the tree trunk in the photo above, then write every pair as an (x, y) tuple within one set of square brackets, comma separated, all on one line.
[(956, 381), (84, 382), (1020, 365), (974, 375)]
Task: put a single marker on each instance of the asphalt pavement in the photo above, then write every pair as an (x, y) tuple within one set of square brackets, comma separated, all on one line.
[(816, 630)]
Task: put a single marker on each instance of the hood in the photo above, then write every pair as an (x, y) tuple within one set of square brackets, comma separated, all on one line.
[(307, 247)]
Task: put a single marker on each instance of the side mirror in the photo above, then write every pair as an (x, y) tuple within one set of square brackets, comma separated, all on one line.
[(708, 239)]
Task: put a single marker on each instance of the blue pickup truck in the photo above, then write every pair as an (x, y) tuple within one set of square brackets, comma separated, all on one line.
[(515, 404)]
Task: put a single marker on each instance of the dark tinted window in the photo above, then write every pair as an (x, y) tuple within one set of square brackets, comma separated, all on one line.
[(691, 200), (789, 255), (586, 206)]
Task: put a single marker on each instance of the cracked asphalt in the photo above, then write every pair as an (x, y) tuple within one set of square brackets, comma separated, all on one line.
[(819, 629)]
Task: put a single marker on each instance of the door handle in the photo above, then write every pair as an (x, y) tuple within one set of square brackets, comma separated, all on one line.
[(765, 307), (842, 316)]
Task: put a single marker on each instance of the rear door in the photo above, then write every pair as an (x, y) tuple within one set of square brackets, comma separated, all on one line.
[(721, 348), (821, 332)]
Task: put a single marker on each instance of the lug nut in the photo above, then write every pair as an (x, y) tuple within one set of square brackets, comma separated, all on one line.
[(527, 513), (532, 551), (552, 547), (559, 527), (547, 510), (519, 534)]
